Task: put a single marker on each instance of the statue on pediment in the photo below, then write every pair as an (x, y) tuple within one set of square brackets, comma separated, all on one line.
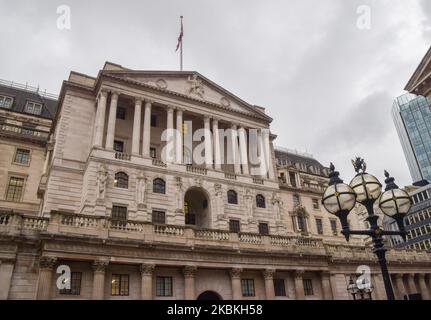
[(196, 86), (102, 177)]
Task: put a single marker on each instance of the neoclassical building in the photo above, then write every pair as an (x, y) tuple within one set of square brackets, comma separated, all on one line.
[(130, 212)]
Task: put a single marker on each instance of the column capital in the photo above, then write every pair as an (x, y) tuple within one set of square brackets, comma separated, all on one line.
[(139, 100), (298, 274), (421, 276), (268, 274), (235, 273), (170, 108), (216, 119), (189, 271), (207, 118), (147, 269), (234, 126), (115, 94), (103, 92), (398, 275), (148, 101), (99, 265), (325, 274), (179, 109), (47, 263)]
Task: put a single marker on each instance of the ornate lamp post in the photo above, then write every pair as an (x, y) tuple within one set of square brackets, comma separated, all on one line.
[(340, 198)]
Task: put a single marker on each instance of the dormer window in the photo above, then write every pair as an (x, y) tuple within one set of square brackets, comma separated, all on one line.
[(33, 108), (6, 102)]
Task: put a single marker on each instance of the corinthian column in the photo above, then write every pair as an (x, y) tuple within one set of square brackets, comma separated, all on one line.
[(110, 135), (136, 126), (216, 142), (146, 136), (44, 283), (99, 125), (189, 282), (243, 150), (267, 153), (268, 276), (235, 151), (208, 144), (179, 137), (423, 287), (99, 268), (147, 281)]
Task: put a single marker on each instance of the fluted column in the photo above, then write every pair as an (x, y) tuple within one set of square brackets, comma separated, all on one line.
[(379, 294), (243, 150), (146, 136), (268, 276), (235, 149), (208, 143), (267, 153), (261, 150), (423, 287), (326, 286), (179, 137), (136, 126), (6, 270), (99, 126), (235, 276), (299, 285), (189, 282), (44, 283), (399, 283), (170, 138), (147, 281), (216, 141), (99, 268), (110, 135), (411, 283)]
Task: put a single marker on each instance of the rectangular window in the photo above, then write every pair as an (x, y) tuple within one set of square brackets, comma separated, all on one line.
[(15, 189), (316, 204), (33, 108), (234, 226), (296, 200), (153, 153), (308, 287), (119, 146), (121, 113), (22, 156), (247, 287), (292, 178), (6, 102), (301, 223), (159, 217), (119, 213), (263, 228), (164, 286), (279, 288), (120, 285), (319, 226), (153, 120), (75, 284), (334, 227)]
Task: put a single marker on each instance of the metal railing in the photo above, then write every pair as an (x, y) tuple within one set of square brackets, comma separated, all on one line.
[(26, 87)]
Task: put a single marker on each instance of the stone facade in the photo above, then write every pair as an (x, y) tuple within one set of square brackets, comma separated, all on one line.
[(132, 226)]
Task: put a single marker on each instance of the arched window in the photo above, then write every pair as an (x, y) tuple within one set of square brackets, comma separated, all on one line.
[(260, 201), (232, 197), (159, 186), (121, 180)]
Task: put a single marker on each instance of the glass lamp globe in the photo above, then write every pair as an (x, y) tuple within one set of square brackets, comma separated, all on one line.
[(339, 197), (352, 288), (394, 201), (366, 187)]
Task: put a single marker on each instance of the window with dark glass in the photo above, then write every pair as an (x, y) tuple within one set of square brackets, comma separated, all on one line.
[(121, 113), (153, 120), (232, 197), (121, 180), (319, 226), (159, 217), (75, 284), (334, 226), (33, 108), (190, 218), (292, 178), (119, 213), (315, 204), (159, 186), (153, 153), (119, 146), (15, 189), (263, 228), (279, 288), (6, 102), (282, 177), (120, 285), (260, 201), (164, 286), (234, 226), (247, 287), (301, 223), (308, 287), (22, 156)]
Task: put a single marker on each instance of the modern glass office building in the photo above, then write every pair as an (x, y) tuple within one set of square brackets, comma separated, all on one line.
[(412, 118)]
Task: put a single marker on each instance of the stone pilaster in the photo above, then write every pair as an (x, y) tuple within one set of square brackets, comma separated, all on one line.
[(44, 283), (6, 270), (423, 287), (147, 271), (411, 283), (235, 275), (146, 136), (299, 284), (268, 276), (326, 285), (99, 268), (400, 288), (189, 273)]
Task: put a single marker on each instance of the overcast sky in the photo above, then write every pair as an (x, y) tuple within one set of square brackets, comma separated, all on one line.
[(328, 84)]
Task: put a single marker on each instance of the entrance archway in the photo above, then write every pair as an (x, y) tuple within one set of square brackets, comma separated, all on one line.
[(209, 295), (197, 208)]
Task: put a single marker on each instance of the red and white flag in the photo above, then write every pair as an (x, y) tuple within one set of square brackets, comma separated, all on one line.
[(180, 37)]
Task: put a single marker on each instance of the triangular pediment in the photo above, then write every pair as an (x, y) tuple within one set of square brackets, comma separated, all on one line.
[(189, 84), (422, 72)]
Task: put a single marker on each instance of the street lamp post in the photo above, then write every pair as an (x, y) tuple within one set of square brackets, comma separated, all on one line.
[(340, 198)]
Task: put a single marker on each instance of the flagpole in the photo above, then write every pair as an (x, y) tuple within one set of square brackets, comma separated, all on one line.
[(181, 46)]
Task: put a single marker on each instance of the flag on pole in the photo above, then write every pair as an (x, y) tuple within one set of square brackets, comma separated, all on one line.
[(180, 37)]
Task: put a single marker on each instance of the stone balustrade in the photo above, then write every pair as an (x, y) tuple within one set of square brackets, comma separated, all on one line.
[(197, 170), (159, 163), (230, 176), (257, 180), (122, 156)]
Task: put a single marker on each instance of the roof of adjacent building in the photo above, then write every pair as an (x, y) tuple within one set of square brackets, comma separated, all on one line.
[(295, 157), (23, 93)]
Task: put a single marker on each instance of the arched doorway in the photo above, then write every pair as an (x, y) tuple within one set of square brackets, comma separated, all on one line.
[(197, 208), (209, 295)]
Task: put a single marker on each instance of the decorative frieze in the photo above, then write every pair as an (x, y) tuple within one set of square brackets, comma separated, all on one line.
[(47, 263), (147, 269)]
